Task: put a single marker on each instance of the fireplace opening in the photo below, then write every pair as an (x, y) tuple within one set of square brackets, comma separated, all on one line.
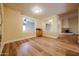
[(67, 31)]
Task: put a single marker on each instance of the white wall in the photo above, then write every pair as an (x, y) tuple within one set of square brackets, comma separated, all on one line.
[(13, 26), (55, 27), (65, 23), (73, 25)]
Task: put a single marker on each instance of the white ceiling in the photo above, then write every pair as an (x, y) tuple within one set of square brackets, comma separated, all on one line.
[(49, 9)]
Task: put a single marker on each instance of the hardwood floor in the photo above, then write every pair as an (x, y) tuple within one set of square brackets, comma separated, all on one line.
[(71, 39), (41, 46)]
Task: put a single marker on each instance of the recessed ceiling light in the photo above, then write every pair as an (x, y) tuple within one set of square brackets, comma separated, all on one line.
[(37, 10)]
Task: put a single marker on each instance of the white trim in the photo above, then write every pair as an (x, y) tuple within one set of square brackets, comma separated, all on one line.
[(17, 39), (68, 33), (1, 48), (2, 11), (27, 38), (51, 36)]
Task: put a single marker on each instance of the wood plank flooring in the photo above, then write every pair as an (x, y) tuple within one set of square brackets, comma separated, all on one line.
[(41, 46)]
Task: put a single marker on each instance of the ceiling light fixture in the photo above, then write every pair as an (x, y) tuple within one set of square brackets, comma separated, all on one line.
[(50, 20), (37, 10)]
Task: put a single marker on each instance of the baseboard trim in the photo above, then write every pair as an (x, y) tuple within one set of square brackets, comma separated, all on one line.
[(55, 37), (2, 46), (18, 39)]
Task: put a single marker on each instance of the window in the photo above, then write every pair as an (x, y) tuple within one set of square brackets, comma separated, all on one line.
[(28, 25), (48, 27)]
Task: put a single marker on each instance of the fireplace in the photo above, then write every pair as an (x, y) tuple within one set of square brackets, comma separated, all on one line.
[(67, 31)]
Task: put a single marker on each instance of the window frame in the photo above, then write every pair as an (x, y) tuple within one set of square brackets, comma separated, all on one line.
[(30, 20)]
